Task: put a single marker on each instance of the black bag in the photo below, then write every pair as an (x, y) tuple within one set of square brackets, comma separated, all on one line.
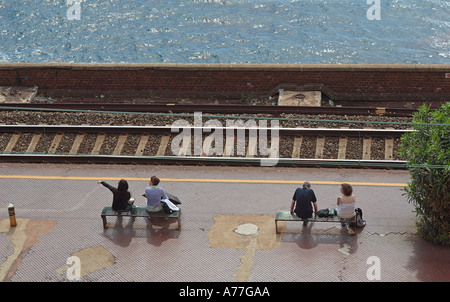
[(323, 213), (166, 208), (175, 200), (326, 212)]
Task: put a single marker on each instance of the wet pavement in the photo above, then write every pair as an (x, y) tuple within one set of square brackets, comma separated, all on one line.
[(228, 229)]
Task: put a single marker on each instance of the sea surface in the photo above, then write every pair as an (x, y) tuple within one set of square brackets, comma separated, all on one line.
[(226, 31)]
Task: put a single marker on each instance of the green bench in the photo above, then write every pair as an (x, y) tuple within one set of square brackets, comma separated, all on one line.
[(287, 216), (139, 212)]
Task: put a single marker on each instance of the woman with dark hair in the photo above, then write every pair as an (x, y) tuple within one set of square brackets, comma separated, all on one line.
[(122, 200), (346, 202)]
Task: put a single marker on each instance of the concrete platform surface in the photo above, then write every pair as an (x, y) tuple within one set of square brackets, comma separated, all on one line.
[(227, 227)]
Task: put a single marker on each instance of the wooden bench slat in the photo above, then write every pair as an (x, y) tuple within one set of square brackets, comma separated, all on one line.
[(287, 216), (138, 212)]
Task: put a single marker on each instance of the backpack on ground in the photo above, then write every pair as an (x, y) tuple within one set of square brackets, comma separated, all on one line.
[(359, 218)]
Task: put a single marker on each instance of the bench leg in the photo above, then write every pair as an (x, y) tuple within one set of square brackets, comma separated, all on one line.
[(276, 226), (105, 225)]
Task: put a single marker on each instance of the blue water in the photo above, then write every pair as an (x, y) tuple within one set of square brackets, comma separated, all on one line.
[(225, 31)]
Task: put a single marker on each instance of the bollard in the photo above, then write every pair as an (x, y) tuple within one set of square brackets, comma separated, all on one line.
[(12, 215)]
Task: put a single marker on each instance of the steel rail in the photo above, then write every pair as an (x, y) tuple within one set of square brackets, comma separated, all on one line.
[(97, 129), (210, 108)]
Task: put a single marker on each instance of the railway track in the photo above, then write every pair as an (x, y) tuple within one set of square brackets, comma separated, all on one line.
[(200, 145)]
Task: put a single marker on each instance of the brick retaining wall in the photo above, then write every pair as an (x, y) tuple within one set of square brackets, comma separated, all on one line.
[(339, 82)]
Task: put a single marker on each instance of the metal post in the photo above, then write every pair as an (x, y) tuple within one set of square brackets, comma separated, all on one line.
[(12, 215)]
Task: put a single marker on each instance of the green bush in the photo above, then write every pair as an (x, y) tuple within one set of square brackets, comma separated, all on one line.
[(427, 152)]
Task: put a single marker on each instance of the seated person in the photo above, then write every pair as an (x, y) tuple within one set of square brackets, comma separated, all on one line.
[(303, 201), (346, 203), (154, 195), (122, 200)]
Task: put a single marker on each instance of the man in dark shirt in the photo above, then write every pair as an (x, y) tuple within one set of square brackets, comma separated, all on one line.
[(302, 202)]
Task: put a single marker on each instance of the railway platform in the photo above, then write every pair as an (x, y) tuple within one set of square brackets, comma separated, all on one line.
[(228, 228)]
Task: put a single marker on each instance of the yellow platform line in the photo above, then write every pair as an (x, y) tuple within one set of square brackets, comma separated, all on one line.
[(207, 180)]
